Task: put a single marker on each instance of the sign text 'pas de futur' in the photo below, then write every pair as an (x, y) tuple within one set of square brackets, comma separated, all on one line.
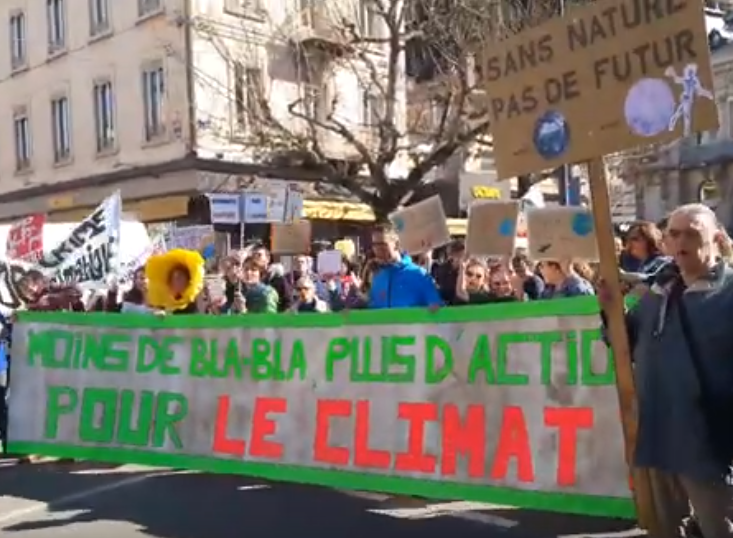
[(606, 77)]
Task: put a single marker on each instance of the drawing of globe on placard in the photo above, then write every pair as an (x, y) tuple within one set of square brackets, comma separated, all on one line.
[(551, 135), (649, 106)]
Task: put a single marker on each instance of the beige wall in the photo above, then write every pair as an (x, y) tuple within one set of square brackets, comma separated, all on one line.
[(119, 57), (222, 37)]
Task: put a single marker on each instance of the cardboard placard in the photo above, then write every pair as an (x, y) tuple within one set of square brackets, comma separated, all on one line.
[(602, 79), (291, 238), (421, 227), (492, 228), (561, 233)]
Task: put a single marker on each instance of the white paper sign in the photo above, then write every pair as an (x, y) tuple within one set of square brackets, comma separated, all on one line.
[(256, 210), (91, 251), (329, 262), (225, 208)]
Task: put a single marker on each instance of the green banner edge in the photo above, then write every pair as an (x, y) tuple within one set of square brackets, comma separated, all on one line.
[(433, 489), (581, 306)]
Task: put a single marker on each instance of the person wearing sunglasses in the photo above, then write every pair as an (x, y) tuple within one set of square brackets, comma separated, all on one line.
[(307, 299), (478, 284)]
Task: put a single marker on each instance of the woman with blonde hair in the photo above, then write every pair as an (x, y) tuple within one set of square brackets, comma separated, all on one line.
[(566, 279)]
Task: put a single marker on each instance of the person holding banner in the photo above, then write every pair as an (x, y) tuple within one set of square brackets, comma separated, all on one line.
[(681, 344), (399, 283), (273, 277)]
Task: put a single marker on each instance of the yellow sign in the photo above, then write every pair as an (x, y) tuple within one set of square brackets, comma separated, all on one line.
[(609, 76), (481, 192), (61, 202)]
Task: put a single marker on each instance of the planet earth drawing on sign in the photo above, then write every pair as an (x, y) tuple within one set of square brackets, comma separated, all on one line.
[(582, 224), (551, 135), (649, 105), (506, 227), (399, 224)]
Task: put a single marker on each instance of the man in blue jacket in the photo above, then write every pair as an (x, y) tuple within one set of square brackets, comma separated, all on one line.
[(399, 283)]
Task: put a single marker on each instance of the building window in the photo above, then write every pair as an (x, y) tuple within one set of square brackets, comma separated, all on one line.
[(240, 106), (368, 18), (311, 99), (18, 44), (104, 116), (23, 143), (61, 125), (255, 94), (372, 109), (243, 8), (728, 119), (56, 14), (154, 101), (98, 17), (307, 12), (148, 7)]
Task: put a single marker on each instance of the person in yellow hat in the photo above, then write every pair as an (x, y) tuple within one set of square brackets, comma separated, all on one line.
[(176, 281)]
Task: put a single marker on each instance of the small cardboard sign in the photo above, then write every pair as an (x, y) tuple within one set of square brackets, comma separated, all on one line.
[(421, 227), (492, 228), (291, 238), (561, 233)]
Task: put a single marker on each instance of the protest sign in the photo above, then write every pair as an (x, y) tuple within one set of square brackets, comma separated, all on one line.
[(290, 238), (512, 404), (492, 228), (561, 233), (128, 268), (90, 253), (225, 208), (25, 239), (190, 237), (329, 262), (421, 227), (609, 76)]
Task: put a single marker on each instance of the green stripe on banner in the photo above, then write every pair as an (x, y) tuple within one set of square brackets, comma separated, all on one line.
[(557, 502), (492, 312)]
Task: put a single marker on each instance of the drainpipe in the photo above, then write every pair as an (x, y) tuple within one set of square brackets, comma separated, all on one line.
[(190, 74)]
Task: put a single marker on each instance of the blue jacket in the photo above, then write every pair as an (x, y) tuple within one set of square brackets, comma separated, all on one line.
[(403, 285), (672, 429), (5, 335)]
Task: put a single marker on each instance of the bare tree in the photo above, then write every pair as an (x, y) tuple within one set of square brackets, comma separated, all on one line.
[(416, 79)]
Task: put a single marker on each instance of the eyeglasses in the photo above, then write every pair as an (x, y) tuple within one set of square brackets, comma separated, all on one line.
[(501, 283), (471, 274), (304, 289)]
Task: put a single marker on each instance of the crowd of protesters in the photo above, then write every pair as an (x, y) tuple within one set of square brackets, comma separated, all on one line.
[(683, 264)]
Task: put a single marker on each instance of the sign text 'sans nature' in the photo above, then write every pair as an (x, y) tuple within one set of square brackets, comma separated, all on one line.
[(608, 76), (299, 400)]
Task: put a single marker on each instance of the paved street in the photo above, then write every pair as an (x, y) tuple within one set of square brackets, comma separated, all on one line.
[(52, 500)]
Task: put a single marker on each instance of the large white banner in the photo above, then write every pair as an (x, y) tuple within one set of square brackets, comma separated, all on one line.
[(526, 404), (91, 251)]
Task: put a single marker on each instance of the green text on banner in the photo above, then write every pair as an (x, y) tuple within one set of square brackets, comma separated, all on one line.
[(510, 404)]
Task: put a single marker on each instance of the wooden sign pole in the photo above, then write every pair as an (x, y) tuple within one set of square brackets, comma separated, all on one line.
[(642, 478)]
